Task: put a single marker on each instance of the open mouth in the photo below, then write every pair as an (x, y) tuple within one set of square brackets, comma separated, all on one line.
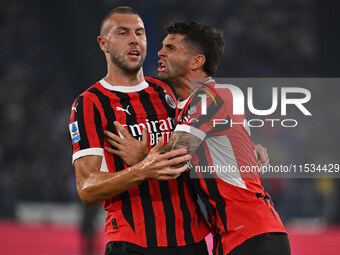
[(134, 53), (161, 66)]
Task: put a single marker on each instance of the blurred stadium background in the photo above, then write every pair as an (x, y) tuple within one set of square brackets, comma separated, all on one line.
[(49, 54)]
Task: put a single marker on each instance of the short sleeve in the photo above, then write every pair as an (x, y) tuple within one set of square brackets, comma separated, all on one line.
[(85, 128)]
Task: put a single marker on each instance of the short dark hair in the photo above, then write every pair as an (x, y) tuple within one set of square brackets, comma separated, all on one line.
[(118, 10), (208, 40)]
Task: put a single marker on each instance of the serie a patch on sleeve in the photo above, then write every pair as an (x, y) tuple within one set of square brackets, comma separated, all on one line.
[(74, 131)]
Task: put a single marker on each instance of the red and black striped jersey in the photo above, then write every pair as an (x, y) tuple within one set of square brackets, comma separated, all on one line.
[(224, 169), (154, 213)]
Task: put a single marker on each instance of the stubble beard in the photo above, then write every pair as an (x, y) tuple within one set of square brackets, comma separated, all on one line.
[(173, 78), (121, 63)]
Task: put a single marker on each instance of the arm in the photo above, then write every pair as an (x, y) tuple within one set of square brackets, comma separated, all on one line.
[(94, 186), (181, 139)]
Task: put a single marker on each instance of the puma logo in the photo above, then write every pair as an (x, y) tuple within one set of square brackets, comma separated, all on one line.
[(74, 108), (124, 110)]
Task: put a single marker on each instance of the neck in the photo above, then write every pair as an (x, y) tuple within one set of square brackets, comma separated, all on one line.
[(182, 87), (185, 86)]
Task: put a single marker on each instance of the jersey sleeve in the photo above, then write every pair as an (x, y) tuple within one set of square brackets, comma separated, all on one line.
[(85, 128), (204, 114)]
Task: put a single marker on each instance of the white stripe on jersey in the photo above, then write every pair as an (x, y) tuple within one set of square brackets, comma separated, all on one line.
[(222, 154), (191, 130), (89, 152)]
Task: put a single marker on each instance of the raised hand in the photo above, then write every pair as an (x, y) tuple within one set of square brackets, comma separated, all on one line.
[(129, 149)]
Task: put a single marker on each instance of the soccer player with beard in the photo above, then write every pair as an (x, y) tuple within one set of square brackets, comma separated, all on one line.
[(151, 208), (241, 214)]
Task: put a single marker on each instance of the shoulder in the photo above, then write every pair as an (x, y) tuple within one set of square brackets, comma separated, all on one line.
[(157, 82), (90, 94), (161, 84)]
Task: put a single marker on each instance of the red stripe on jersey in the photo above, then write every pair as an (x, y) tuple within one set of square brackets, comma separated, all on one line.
[(159, 215), (89, 118), (173, 186), (196, 222)]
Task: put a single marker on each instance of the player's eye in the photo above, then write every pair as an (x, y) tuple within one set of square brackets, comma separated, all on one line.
[(140, 32), (170, 47), (122, 33)]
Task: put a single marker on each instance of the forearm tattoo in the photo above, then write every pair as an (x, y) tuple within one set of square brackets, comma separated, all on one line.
[(180, 139)]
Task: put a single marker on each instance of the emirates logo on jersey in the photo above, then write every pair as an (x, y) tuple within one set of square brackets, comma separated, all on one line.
[(156, 129)]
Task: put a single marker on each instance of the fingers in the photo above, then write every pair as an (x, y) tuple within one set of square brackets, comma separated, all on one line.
[(111, 137), (262, 154), (113, 151), (158, 146), (175, 153), (171, 173), (145, 136), (114, 144), (122, 130), (178, 160)]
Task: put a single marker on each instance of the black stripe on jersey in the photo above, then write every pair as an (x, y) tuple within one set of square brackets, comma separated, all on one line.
[(98, 122), (149, 214), (219, 243), (144, 188), (184, 208), (124, 100), (214, 192), (110, 116), (193, 193), (220, 203), (126, 104), (169, 213), (79, 116)]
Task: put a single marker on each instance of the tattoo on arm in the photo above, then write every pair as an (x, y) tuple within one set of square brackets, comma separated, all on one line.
[(180, 139)]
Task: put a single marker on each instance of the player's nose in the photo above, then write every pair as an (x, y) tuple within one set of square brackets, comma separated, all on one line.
[(133, 39), (162, 52)]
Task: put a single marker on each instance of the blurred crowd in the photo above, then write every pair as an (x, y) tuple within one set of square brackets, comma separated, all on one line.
[(49, 55)]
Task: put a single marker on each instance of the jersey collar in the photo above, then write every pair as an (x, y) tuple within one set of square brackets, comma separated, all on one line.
[(181, 104), (125, 89)]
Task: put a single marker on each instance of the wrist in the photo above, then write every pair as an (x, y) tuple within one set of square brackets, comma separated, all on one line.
[(138, 172), (143, 155)]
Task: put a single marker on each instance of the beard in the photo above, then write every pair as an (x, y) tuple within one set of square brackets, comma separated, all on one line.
[(175, 75), (121, 63)]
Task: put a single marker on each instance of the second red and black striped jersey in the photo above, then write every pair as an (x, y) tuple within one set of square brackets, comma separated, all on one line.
[(224, 169), (154, 213)]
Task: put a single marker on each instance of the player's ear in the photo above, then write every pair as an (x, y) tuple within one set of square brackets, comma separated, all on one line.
[(102, 43), (197, 61)]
